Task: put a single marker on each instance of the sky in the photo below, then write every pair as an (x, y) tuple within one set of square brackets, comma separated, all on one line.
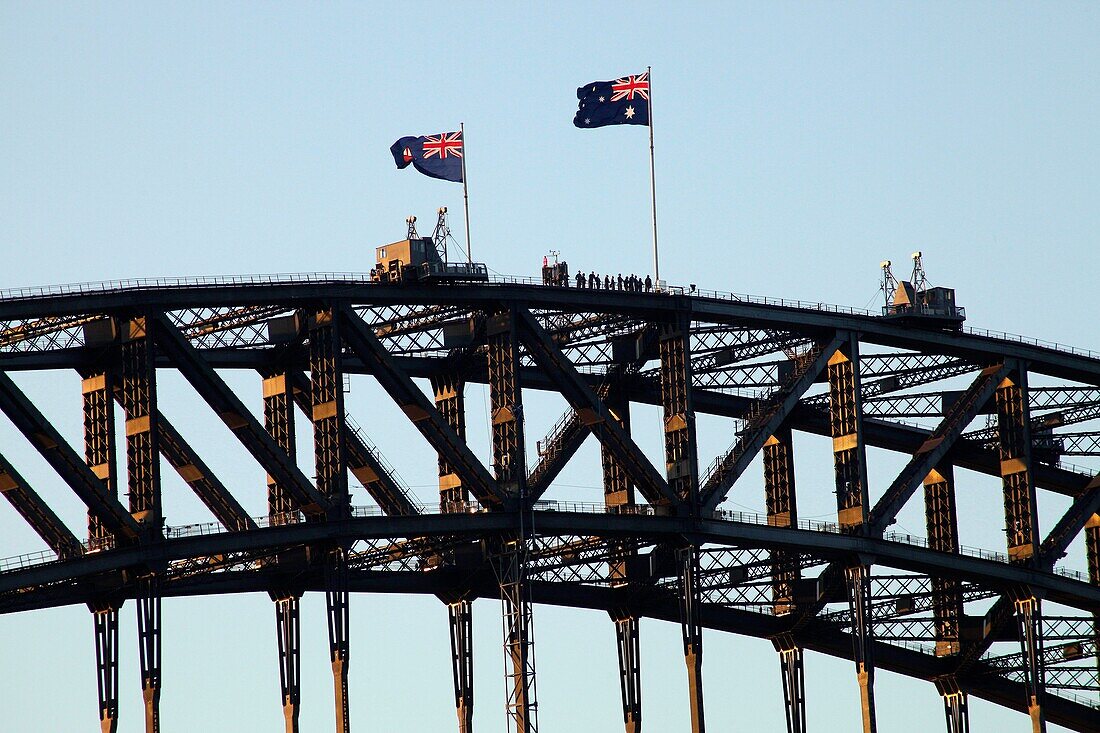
[(797, 146)]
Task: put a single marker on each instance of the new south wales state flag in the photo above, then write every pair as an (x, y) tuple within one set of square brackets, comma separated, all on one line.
[(438, 156)]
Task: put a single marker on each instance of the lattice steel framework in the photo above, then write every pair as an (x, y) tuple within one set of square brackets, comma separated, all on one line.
[(661, 543)]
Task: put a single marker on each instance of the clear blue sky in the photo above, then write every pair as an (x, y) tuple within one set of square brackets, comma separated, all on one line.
[(798, 144)]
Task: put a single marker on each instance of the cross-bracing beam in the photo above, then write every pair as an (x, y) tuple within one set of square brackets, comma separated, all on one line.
[(37, 513), (276, 461), (593, 413), (958, 416), (65, 461), (416, 406), (762, 422)]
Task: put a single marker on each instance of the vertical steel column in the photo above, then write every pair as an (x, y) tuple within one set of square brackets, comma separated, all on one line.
[(846, 427), (287, 623), (955, 707), (1021, 525), (282, 509), (106, 660), (460, 615), (99, 453), (450, 400), (1030, 624), (618, 494), (279, 423), (691, 627), (942, 522), (506, 403), (1092, 550), (1014, 447), (139, 402), (782, 508), (510, 469), (138, 392), (682, 470), (330, 455), (863, 639), (99, 443), (850, 475), (148, 617), (327, 399), (794, 681), (681, 449), (630, 671), (336, 603)]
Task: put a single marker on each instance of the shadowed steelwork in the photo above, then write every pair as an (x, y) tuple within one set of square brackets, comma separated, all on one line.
[(661, 544)]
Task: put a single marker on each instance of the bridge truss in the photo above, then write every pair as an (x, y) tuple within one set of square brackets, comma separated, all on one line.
[(1008, 626)]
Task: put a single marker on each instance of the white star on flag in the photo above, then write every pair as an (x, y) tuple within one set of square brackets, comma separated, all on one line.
[(630, 113)]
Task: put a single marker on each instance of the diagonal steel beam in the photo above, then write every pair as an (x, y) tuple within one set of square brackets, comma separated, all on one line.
[(762, 425), (63, 459), (592, 411), (236, 416), (36, 512), (362, 462), (1071, 524), (359, 337), (562, 443), (194, 471), (942, 439)]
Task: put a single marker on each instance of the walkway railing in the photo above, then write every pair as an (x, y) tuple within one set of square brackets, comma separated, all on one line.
[(361, 278), (44, 557)]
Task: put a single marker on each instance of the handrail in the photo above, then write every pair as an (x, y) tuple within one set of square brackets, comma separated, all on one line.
[(44, 557), (360, 278)]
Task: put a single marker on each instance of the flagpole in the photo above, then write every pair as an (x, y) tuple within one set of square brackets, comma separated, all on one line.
[(466, 193), (652, 182)]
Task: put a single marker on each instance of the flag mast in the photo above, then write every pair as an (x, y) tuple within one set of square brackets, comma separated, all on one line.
[(652, 181), (465, 192)]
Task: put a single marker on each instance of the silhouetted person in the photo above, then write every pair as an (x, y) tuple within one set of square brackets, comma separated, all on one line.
[(580, 280), (593, 281), (648, 284), (619, 281)]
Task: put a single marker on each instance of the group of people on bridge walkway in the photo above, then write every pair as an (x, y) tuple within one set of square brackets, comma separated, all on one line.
[(629, 284)]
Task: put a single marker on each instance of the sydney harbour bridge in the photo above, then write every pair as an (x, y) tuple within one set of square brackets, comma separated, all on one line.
[(1006, 624)]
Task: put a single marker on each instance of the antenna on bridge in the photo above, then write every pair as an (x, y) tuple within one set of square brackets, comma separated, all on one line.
[(442, 233), (889, 283), (411, 234), (919, 278)]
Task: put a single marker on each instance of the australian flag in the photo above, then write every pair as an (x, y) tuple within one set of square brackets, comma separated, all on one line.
[(621, 102), (438, 156)]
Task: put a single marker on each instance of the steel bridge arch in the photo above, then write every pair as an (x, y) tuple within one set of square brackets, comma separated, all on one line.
[(760, 362)]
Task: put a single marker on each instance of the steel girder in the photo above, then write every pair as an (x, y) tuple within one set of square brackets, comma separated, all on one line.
[(679, 392), (65, 461), (416, 406), (812, 638), (593, 413), (237, 417)]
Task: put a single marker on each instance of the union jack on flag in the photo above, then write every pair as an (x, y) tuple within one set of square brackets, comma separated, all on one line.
[(444, 144), (624, 101), (438, 156), (628, 86)]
